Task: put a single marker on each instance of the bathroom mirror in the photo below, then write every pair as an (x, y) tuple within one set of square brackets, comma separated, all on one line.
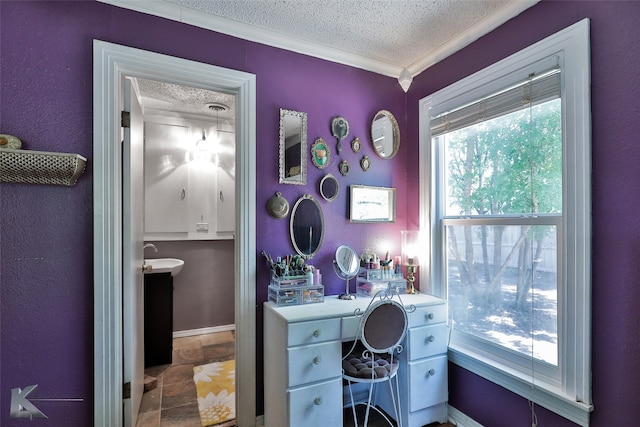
[(306, 226), (346, 264), (372, 204), (293, 147), (329, 187), (385, 134)]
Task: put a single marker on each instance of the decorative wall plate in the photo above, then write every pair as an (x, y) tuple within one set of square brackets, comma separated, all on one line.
[(365, 163), (355, 145), (344, 167), (278, 206), (320, 153)]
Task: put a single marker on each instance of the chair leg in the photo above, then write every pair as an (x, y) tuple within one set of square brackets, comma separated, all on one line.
[(353, 406), (366, 415), (395, 398)]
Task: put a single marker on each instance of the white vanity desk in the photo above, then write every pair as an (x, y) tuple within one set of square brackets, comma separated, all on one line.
[(303, 362)]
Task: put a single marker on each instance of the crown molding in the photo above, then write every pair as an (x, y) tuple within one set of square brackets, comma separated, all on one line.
[(252, 33)]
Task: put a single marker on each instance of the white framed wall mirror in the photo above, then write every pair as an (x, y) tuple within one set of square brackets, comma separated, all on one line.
[(293, 147)]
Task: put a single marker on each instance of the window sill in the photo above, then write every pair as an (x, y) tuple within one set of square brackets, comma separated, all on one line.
[(548, 397)]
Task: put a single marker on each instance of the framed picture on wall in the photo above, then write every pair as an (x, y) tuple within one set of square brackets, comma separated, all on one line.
[(372, 204)]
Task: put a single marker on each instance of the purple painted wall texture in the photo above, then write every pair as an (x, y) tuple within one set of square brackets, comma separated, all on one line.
[(46, 261)]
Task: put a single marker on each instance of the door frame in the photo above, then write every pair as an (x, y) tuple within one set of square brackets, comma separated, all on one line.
[(111, 64)]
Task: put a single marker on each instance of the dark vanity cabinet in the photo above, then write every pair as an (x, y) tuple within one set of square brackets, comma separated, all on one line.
[(158, 319)]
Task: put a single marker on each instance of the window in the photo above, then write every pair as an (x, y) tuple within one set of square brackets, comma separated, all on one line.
[(505, 183)]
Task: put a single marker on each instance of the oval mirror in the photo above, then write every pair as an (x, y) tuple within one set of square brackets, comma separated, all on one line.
[(385, 134), (293, 147), (306, 226), (346, 265), (329, 187)]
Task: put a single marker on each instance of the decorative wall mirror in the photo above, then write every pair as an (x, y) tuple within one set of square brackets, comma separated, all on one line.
[(320, 153), (306, 226), (372, 204), (385, 134), (293, 147), (329, 187)]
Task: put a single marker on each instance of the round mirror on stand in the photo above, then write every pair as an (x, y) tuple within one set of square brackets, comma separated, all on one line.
[(306, 226), (329, 187), (346, 264), (385, 134)]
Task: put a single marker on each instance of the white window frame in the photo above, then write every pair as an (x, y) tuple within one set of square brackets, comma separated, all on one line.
[(570, 394)]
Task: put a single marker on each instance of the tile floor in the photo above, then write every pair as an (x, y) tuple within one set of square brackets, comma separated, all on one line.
[(173, 402)]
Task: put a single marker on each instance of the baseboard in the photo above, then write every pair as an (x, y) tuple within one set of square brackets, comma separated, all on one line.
[(459, 419), (260, 421), (201, 331)]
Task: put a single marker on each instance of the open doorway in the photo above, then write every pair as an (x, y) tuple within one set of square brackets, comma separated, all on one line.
[(113, 64), (189, 215)]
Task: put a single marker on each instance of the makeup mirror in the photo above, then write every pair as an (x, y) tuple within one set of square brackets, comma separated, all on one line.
[(385, 134), (306, 226), (329, 187), (293, 147), (346, 264)]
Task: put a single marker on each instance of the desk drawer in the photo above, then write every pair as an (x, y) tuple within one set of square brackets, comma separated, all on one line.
[(313, 332), (428, 315), (427, 383), (316, 405), (428, 341), (315, 362)]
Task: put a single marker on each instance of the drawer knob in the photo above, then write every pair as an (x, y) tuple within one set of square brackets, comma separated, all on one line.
[(316, 360), (317, 401), (431, 338), (316, 333), (429, 316), (431, 372)]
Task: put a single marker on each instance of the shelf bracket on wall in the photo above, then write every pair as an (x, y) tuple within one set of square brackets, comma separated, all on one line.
[(40, 167)]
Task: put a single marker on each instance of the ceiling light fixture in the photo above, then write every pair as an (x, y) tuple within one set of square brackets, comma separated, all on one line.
[(405, 79)]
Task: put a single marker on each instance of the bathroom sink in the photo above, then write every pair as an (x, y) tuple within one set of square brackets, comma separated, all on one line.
[(163, 265)]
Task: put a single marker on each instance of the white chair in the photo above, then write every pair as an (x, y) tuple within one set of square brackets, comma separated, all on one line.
[(373, 357)]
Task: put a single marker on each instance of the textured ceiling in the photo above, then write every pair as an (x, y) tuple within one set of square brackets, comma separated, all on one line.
[(397, 32), (383, 36)]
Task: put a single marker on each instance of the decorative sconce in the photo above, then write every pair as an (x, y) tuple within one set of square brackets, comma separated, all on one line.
[(410, 247)]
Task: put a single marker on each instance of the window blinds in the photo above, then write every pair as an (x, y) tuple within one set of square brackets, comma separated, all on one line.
[(534, 90)]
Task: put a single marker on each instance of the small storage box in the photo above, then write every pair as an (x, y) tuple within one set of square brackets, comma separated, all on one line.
[(371, 287), (399, 285), (296, 295), (370, 274), (288, 281)]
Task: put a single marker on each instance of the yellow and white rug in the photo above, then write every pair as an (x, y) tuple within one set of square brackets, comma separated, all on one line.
[(216, 389)]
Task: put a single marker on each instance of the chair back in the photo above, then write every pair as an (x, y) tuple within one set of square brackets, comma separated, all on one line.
[(383, 326)]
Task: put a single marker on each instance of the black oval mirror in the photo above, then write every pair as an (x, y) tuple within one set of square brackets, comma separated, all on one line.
[(329, 187), (306, 226)]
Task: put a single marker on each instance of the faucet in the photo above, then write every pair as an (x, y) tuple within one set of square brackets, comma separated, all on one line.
[(150, 245)]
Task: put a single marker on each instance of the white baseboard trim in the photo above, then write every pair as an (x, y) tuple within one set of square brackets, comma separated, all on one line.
[(459, 419), (260, 421), (201, 331)]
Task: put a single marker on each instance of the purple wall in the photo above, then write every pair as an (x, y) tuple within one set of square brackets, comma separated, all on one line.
[(615, 65), (46, 261)]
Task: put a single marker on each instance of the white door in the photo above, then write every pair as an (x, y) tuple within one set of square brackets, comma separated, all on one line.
[(132, 255)]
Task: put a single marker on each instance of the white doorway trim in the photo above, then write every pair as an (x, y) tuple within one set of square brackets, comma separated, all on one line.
[(112, 63)]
